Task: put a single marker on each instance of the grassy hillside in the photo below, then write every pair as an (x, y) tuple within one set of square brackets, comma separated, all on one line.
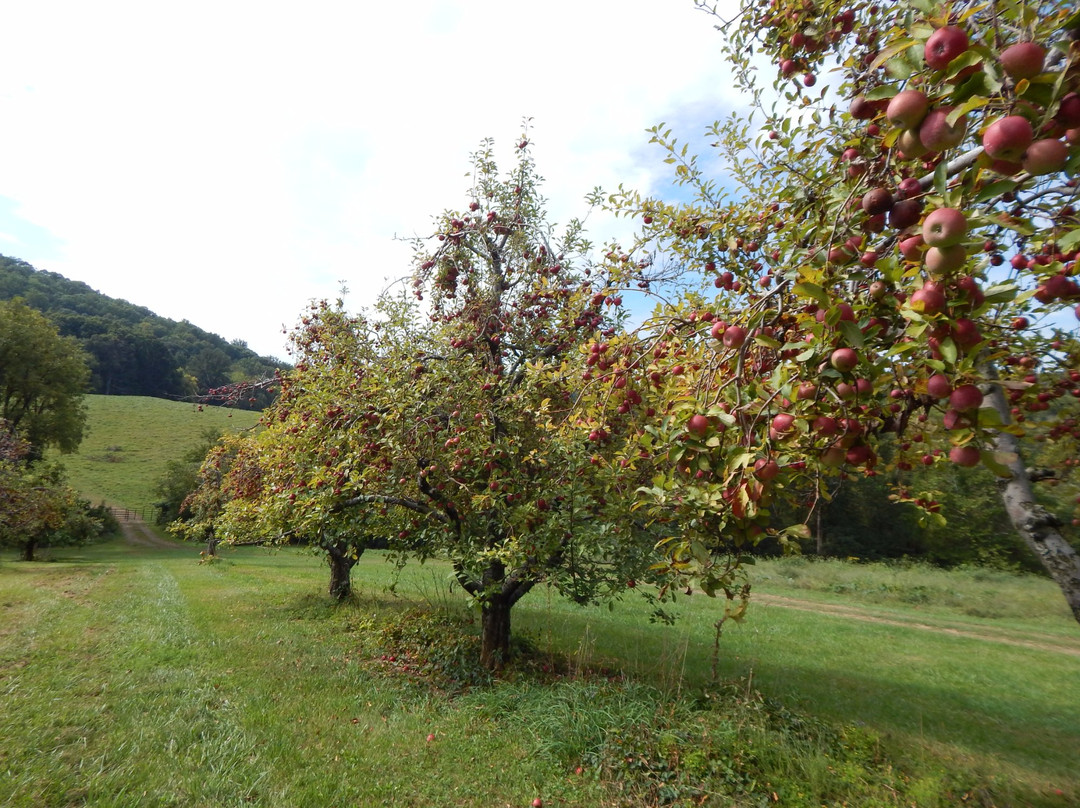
[(147, 679), (130, 440)]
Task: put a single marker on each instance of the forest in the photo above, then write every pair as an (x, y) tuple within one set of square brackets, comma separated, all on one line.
[(134, 352)]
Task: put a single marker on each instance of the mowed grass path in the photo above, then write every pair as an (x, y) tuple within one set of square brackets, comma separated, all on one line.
[(137, 677)]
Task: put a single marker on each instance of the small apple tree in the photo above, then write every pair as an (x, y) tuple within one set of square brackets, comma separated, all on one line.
[(471, 453), (436, 420), (889, 259)]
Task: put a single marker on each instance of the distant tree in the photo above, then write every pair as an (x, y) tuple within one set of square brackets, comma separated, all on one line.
[(43, 377), (37, 508), (211, 367), (181, 477)]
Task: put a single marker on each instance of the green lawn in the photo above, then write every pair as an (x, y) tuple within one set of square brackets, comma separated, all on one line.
[(130, 440), (133, 676)]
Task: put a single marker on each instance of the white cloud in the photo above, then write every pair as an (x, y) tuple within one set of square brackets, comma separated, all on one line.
[(226, 162)]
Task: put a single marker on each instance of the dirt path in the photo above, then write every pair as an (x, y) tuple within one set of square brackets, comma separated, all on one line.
[(1043, 643), (138, 534)]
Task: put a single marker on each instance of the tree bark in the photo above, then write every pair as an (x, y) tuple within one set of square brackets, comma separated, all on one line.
[(28, 549), (341, 564), (1035, 524), (495, 633)]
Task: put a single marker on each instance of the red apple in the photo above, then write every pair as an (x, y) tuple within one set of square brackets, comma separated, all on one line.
[(911, 248), (928, 299), (1024, 60), (1068, 114), (967, 456), (1007, 138), (943, 260), (907, 108), (861, 109), (965, 333), (965, 398), (765, 469), (698, 425), (844, 359), (734, 337), (970, 287), (910, 144), (905, 213), (944, 45), (935, 132), (938, 386), (1046, 156), (833, 456), (909, 187), (782, 425), (944, 227), (878, 200), (826, 426), (806, 391)]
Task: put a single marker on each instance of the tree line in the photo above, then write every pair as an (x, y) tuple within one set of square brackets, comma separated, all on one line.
[(131, 350)]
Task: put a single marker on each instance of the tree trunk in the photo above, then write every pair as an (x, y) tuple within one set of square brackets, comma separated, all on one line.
[(495, 633), (1036, 525), (341, 564), (28, 549)]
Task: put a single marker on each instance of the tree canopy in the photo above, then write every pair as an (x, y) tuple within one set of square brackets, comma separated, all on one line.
[(885, 259), (436, 420), (43, 377)]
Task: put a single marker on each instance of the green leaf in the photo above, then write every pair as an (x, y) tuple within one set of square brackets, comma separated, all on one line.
[(852, 333), (881, 92), (812, 291), (962, 63), (888, 53), (941, 177), (994, 462), (975, 102), (995, 189), (948, 350), (1003, 292), (799, 531), (1069, 240)]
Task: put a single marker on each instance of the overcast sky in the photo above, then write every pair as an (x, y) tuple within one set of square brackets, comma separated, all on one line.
[(225, 162)]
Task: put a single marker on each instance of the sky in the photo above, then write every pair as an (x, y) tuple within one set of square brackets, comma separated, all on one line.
[(227, 162)]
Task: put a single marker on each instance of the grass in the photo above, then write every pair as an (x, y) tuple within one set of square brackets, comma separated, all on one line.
[(134, 676), (138, 677), (131, 439)]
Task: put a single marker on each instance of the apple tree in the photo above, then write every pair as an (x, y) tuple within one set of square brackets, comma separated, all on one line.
[(37, 507), (287, 482), (436, 420), (881, 277), (471, 453)]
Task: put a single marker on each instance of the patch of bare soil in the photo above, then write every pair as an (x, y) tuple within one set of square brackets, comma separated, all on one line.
[(138, 534), (1043, 643)]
